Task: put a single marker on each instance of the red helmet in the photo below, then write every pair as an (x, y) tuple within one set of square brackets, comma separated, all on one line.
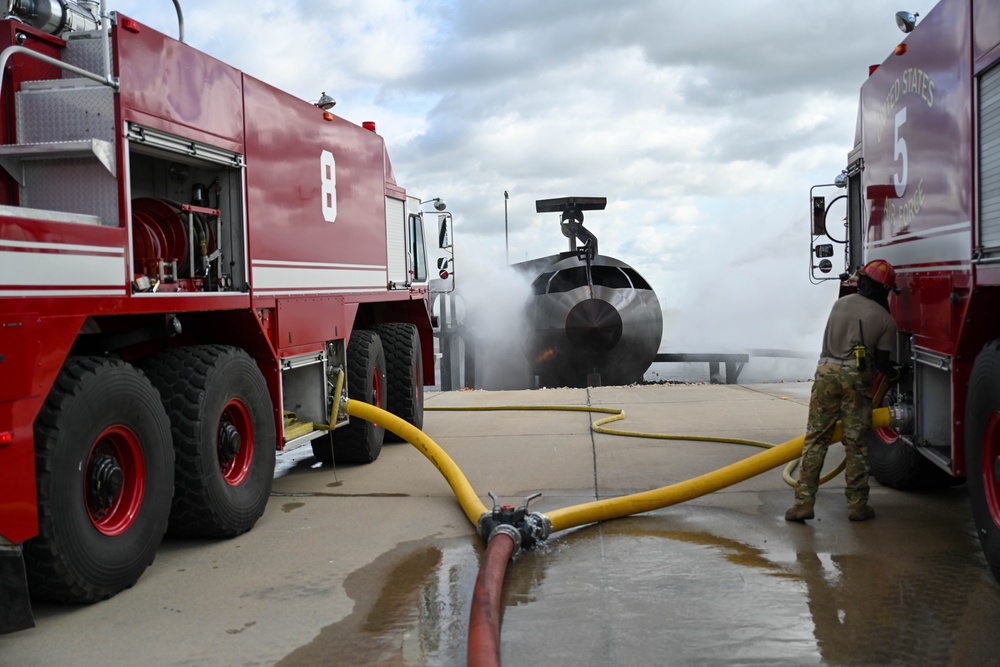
[(880, 271)]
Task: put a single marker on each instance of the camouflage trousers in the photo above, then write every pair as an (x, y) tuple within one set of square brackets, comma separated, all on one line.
[(839, 392)]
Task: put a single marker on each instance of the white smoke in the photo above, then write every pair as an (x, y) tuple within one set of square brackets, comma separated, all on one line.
[(488, 314), (761, 306)]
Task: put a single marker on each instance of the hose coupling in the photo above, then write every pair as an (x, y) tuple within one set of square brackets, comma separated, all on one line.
[(510, 531), (526, 528), (901, 416)]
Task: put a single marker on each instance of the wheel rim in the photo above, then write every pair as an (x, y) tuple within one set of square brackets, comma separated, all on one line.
[(991, 465), (235, 442), (115, 480), (887, 435)]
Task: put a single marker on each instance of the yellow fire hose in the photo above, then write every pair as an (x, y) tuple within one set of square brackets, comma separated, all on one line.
[(484, 619), (467, 498), (610, 508), (617, 414)]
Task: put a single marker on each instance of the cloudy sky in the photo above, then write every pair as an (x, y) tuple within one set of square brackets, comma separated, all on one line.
[(703, 123)]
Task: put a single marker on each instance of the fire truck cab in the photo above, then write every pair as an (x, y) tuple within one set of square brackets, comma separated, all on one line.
[(921, 189)]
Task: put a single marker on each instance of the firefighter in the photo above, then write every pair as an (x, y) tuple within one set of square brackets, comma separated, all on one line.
[(860, 338)]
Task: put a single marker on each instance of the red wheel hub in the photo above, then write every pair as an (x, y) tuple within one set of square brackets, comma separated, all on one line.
[(115, 481), (887, 435), (991, 465), (235, 442)]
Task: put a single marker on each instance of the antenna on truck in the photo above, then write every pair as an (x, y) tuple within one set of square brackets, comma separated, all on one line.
[(180, 20)]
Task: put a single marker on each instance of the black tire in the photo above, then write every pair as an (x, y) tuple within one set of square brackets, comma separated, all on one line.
[(896, 464), (982, 451), (102, 437), (323, 449), (222, 422), (360, 441), (405, 371)]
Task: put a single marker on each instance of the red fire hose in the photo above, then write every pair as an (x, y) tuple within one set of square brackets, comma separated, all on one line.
[(484, 618)]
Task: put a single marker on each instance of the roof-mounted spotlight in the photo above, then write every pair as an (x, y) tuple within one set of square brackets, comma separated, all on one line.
[(906, 21), (439, 204), (841, 180), (326, 102)]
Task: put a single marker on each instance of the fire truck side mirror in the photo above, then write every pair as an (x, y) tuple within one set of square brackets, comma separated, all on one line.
[(818, 216), (444, 272), (824, 250), (444, 231)]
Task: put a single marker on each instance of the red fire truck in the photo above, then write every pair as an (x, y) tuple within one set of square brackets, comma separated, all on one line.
[(922, 190), (196, 270)]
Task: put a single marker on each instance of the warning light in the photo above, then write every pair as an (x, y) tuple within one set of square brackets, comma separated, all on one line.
[(900, 49), (131, 25), (6, 437), (444, 274), (369, 125), (327, 115)]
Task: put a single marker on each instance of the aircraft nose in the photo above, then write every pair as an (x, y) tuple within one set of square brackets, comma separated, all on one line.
[(594, 326)]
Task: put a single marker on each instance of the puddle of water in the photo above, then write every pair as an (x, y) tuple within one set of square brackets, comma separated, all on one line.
[(411, 608), (669, 598), (650, 591)]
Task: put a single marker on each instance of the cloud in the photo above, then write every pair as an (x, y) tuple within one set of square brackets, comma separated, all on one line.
[(703, 124)]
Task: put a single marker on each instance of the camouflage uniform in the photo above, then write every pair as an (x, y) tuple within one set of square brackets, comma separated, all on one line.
[(839, 392), (859, 332)]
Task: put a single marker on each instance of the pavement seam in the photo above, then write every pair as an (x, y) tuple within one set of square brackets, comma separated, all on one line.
[(593, 450)]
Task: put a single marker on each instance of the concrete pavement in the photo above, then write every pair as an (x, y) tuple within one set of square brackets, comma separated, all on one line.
[(375, 564)]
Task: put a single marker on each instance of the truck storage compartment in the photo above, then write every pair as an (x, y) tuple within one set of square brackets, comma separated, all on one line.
[(187, 214)]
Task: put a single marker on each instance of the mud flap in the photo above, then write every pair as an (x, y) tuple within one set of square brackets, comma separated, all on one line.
[(15, 607)]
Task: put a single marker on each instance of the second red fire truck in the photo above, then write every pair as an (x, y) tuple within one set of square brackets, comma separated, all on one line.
[(196, 270), (922, 190)]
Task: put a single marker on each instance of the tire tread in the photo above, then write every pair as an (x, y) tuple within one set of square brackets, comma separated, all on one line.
[(183, 375), (982, 400), (354, 443), (50, 572), (401, 343)]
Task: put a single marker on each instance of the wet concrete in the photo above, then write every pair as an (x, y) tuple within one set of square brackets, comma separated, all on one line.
[(375, 565), (688, 588)]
